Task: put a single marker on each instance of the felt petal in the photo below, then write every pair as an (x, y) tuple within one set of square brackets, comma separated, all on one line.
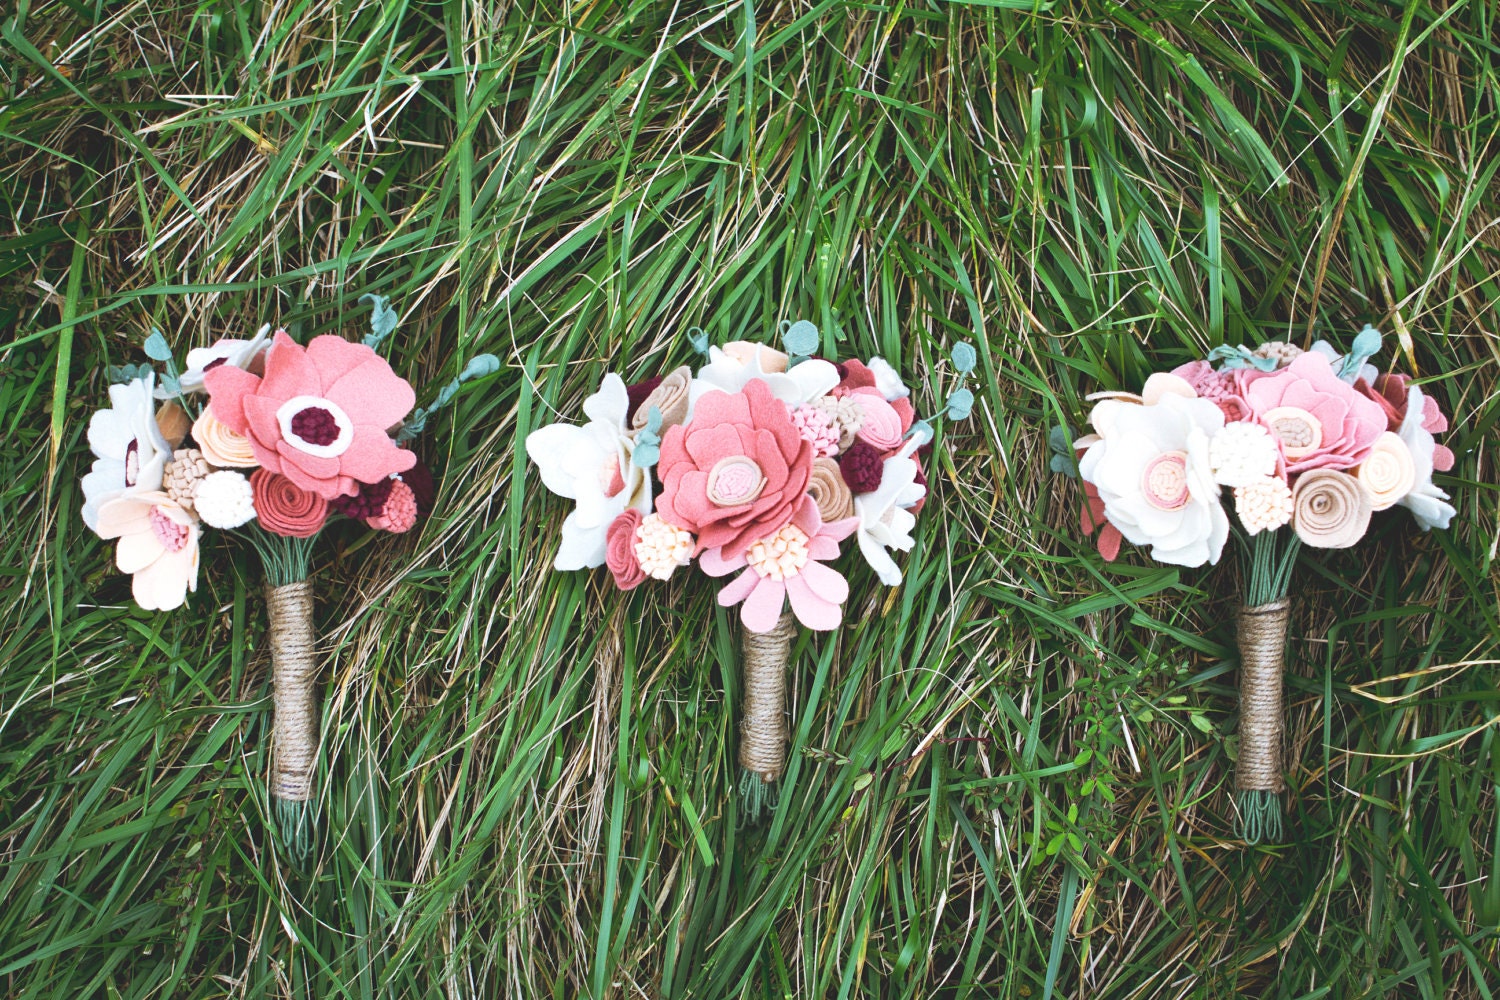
[(137, 550), (810, 609), (673, 447), (738, 589), (719, 407), (712, 443), (610, 404), (809, 519), (310, 472), (372, 456), (1442, 457), (334, 358), (582, 547), (110, 434), (825, 581), (762, 608), (261, 425), (160, 587), (228, 388), (123, 515), (1109, 542), (840, 530), (373, 394), (564, 454), (289, 371), (714, 563), (880, 560)]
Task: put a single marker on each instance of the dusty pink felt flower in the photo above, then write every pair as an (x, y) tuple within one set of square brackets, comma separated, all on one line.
[(1092, 518), (1321, 421), (320, 416), (1390, 393), (1223, 388), (620, 555), (787, 566), (736, 472)]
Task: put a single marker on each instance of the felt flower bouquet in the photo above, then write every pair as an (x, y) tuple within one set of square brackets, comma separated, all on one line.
[(1303, 447), (762, 465), (289, 439)]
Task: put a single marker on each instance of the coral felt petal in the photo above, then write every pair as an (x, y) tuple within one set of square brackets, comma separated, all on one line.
[(762, 608), (311, 473), (289, 371), (372, 456), (373, 391), (708, 445), (333, 357), (228, 388)]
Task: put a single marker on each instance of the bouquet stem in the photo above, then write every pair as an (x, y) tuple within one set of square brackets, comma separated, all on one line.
[(763, 720), (1261, 632)]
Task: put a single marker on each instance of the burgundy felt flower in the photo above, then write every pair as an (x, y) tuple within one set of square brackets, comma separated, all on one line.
[(320, 416), (736, 472)]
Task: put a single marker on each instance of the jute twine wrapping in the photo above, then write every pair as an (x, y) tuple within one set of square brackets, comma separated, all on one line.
[(763, 721), (1262, 639), (294, 731)]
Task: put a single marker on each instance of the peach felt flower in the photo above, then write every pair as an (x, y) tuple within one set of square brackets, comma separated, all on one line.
[(320, 416), (736, 472), (787, 566)]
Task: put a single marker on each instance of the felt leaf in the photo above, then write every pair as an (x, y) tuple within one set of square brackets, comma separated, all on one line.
[(960, 403), (157, 348), (383, 319), (699, 339), (800, 339), (964, 357), (646, 454), (1063, 460), (120, 374), (921, 432), (653, 422), (1366, 345), (171, 384), (479, 366)]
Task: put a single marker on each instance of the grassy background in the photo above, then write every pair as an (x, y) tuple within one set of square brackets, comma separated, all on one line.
[(1011, 774)]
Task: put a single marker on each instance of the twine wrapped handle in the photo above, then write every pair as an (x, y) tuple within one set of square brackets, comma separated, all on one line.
[(763, 722), (294, 727), (1262, 642)]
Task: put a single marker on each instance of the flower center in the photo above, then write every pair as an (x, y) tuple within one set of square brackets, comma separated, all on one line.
[(216, 362), (1165, 481), (780, 556), (132, 462), (315, 426), (173, 536), (733, 481), (610, 479), (1300, 432)]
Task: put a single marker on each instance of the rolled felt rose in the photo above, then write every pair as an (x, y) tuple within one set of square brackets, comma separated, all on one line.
[(881, 426), (745, 352), (220, 445), (284, 508), (1389, 473), (670, 396), (619, 553), (828, 490), (1330, 509)]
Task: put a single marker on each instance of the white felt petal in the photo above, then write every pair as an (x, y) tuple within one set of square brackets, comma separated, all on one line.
[(110, 434), (879, 559), (564, 454), (582, 547), (137, 551), (160, 587), (610, 404)]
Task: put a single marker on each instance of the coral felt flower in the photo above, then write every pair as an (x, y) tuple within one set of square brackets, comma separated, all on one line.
[(591, 466), (884, 520), (1427, 502), (787, 566), (130, 451), (284, 508), (320, 416), (1151, 468), (246, 354), (1321, 421), (158, 546), (736, 472)]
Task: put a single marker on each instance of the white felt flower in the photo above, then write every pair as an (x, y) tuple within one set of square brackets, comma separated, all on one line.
[(1427, 503), (226, 351), (731, 371), (1242, 453), (884, 521), (131, 454), (591, 466), (1151, 468), (158, 546), (224, 499), (887, 380)]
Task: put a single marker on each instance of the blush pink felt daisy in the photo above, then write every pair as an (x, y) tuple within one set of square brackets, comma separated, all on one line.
[(320, 416), (1321, 421), (787, 566), (736, 472)]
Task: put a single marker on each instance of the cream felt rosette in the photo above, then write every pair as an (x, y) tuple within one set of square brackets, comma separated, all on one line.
[(271, 440), (762, 466), (1303, 448)]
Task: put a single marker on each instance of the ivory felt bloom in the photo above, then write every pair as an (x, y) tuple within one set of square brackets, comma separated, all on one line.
[(158, 546), (1151, 468), (787, 566), (131, 454), (591, 465), (246, 354), (885, 522), (1428, 503), (321, 416), (735, 366)]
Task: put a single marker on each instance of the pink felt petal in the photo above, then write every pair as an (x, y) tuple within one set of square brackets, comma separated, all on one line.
[(712, 442), (289, 371), (311, 473), (1442, 457), (822, 548), (673, 448), (738, 589), (762, 608), (810, 609), (1109, 543), (825, 581), (262, 427), (372, 456), (713, 562), (334, 358), (807, 517), (770, 414), (228, 388), (905, 411), (840, 530), (719, 407), (373, 394)]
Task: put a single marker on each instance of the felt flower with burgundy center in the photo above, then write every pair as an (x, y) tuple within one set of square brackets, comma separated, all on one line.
[(321, 416), (736, 472)]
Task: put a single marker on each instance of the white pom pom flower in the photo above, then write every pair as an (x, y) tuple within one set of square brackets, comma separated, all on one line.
[(224, 500), (1241, 454)]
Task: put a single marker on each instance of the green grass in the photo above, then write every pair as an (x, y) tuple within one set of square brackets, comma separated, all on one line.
[(529, 784)]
